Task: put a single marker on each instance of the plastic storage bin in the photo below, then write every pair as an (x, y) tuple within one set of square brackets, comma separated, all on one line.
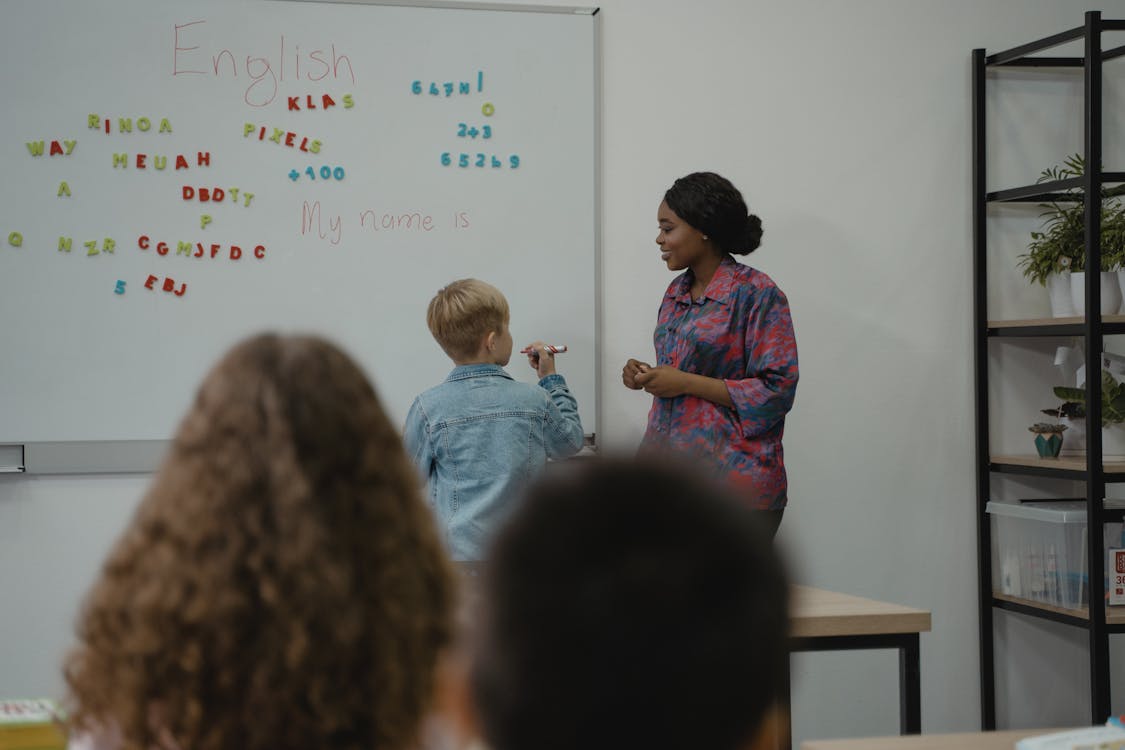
[(1039, 550)]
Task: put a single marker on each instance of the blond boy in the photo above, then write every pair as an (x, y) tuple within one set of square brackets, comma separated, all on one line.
[(481, 435)]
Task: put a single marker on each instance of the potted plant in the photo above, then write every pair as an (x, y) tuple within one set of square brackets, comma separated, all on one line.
[(1056, 255), (1048, 438), (1073, 417), (1113, 412)]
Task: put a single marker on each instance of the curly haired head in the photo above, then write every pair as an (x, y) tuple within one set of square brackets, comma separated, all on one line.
[(282, 584), (711, 204)]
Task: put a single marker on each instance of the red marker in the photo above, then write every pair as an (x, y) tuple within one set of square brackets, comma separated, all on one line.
[(559, 349)]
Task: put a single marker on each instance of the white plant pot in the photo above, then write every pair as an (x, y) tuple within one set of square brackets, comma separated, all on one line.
[(1121, 287), (1062, 301), (1113, 443), (1074, 438), (1111, 292)]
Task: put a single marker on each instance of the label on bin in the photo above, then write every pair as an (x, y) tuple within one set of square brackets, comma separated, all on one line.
[(1117, 576)]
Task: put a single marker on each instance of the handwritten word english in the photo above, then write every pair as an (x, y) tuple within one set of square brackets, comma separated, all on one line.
[(264, 72)]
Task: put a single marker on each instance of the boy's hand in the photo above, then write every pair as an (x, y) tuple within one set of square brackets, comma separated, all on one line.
[(541, 359), (631, 370)]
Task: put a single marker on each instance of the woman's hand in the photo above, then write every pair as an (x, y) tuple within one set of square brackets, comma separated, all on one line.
[(663, 381), (631, 370)]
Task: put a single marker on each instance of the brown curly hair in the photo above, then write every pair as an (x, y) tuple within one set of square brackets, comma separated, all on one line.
[(282, 584)]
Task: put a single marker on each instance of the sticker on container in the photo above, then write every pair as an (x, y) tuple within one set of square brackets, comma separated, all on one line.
[(1117, 576)]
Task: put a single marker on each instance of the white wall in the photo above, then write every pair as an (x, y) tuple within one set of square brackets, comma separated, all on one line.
[(847, 126)]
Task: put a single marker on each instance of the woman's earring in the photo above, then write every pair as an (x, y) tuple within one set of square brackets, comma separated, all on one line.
[(706, 238)]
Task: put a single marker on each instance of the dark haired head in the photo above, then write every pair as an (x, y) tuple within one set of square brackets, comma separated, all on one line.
[(629, 604), (711, 204)]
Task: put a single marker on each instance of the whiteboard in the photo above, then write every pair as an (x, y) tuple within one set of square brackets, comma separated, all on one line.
[(223, 168)]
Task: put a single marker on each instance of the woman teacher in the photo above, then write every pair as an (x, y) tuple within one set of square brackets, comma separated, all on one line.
[(726, 357)]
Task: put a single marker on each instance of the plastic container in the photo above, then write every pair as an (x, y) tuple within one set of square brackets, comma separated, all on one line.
[(1039, 550)]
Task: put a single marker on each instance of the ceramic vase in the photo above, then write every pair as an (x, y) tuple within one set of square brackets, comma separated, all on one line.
[(1110, 291)]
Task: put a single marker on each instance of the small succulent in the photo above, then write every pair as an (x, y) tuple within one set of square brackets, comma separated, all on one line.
[(1047, 428)]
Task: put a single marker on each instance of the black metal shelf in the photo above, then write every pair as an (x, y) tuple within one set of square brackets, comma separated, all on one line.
[(1098, 621), (1074, 469), (1042, 192), (1078, 618), (1111, 325)]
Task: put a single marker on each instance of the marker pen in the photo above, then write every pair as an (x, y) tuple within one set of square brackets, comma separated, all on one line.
[(557, 349)]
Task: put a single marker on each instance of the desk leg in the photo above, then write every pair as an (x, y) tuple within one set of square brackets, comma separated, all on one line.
[(784, 702), (910, 686)]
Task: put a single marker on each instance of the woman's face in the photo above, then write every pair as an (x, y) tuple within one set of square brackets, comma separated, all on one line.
[(681, 244)]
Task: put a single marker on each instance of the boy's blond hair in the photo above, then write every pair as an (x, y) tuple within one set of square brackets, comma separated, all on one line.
[(461, 314)]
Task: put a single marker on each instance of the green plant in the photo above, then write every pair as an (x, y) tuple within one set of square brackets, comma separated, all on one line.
[(1060, 245), (1113, 399), (1047, 428)]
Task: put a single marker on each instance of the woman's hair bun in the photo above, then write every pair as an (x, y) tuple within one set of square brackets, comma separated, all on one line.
[(751, 235)]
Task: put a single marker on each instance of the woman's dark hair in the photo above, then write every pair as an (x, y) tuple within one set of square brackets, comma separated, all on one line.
[(629, 603), (711, 204)]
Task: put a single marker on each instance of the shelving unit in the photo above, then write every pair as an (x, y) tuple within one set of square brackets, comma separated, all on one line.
[(1098, 620)]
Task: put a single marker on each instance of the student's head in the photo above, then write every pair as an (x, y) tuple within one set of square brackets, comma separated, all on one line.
[(715, 207), (630, 604), (468, 317), (281, 584)]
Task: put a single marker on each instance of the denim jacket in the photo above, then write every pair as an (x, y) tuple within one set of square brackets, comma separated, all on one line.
[(480, 436)]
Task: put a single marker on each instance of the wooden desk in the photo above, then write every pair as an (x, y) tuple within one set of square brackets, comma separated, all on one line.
[(968, 741), (829, 621)]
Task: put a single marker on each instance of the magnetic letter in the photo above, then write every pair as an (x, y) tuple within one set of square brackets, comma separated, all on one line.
[(141, 161), (181, 162), (120, 288), (247, 129), (204, 220), (293, 104), (189, 192), (56, 148), (148, 284), (64, 189), (15, 239), (169, 284)]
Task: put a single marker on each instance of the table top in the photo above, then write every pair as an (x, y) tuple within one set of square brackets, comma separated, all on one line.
[(1005, 740), (819, 613)]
